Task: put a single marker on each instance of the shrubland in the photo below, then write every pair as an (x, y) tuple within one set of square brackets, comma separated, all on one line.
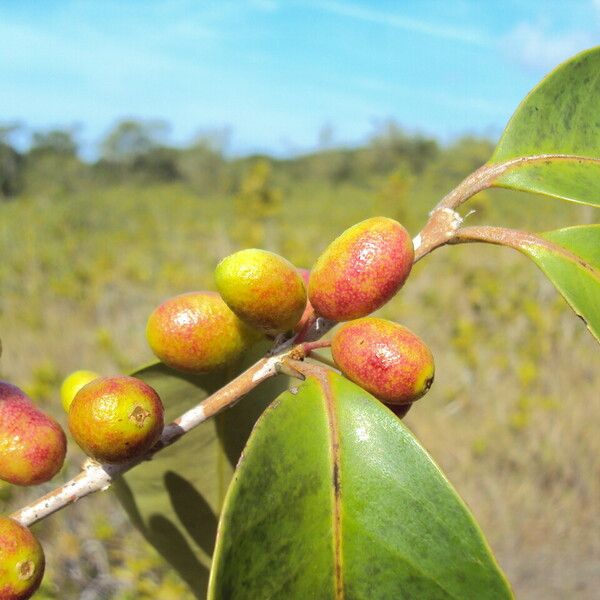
[(89, 250)]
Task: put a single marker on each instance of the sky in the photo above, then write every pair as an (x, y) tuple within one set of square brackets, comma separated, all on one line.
[(280, 74)]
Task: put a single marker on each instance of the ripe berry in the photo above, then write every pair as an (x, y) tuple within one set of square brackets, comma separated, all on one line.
[(386, 359), (32, 444), (198, 332), (116, 419), (262, 288), (361, 269), (21, 561), (72, 384)]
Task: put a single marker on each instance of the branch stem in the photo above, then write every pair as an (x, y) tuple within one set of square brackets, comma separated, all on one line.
[(444, 222), (96, 477)]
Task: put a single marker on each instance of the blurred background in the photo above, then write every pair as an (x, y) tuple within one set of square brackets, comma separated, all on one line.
[(141, 142)]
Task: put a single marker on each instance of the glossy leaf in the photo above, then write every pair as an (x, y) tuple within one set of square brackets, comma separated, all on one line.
[(572, 263), (559, 116), (175, 498), (334, 498)]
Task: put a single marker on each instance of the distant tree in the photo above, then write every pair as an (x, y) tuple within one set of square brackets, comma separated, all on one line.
[(138, 149), (463, 156), (394, 195), (11, 162), (52, 167), (56, 141), (203, 163), (130, 139), (10, 171), (391, 143)]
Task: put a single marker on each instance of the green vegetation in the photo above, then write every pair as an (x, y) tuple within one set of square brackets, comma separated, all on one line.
[(89, 250)]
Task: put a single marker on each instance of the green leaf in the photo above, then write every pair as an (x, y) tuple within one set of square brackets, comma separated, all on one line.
[(175, 498), (582, 240), (334, 498), (572, 262), (561, 116)]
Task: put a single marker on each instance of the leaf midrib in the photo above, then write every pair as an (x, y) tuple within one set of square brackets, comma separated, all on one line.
[(334, 442)]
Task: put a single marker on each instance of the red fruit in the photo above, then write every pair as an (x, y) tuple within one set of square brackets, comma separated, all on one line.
[(32, 444), (361, 269), (385, 358)]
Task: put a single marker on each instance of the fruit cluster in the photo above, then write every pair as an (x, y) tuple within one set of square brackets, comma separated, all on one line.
[(260, 294), (113, 419)]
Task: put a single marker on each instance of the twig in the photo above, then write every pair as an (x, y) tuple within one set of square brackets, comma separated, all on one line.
[(96, 477), (439, 230), (444, 222)]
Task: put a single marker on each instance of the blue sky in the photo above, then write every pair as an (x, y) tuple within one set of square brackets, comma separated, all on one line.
[(276, 72)]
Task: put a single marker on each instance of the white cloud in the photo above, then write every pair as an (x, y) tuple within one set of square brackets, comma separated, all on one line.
[(537, 49), (398, 21)]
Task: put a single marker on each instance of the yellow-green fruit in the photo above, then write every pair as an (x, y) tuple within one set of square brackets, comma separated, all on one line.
[(21, 561), (197, 332), (262, 288), (72, 384), (361, 269), (116, 419)]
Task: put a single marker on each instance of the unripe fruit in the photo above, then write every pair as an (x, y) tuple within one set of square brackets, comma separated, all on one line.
[(386, 359), (72, 384), (116, 419), (32, 444), (361, 269), (21, 561), (262, 288), (198, 332)]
